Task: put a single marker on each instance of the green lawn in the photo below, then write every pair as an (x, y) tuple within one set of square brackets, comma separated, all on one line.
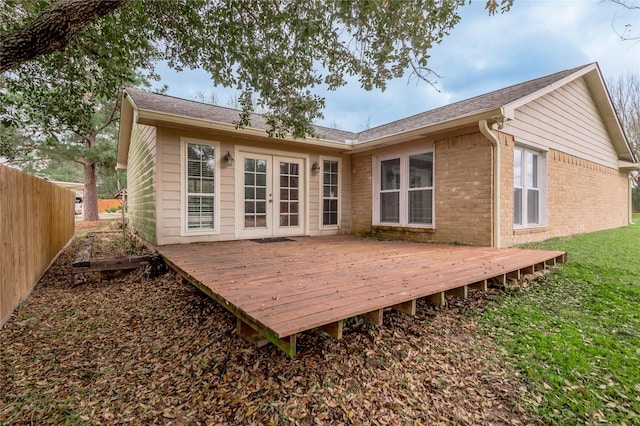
[(574, 336)]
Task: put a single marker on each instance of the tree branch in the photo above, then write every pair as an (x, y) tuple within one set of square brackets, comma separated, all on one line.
[(52, 30)]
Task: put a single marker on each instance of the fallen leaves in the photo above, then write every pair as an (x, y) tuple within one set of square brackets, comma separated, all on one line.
[(140, 349)]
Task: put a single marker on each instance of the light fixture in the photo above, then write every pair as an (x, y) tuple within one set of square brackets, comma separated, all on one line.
[(228, 159), (315, 168)]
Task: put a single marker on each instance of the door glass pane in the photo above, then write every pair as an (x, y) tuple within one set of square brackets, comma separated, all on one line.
[(255, 192), (289, 180)]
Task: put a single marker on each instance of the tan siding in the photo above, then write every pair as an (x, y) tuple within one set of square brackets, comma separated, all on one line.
[(565, 120), (141, 174), (169, 209)]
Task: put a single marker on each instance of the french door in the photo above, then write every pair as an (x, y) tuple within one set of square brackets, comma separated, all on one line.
[(272, 194)]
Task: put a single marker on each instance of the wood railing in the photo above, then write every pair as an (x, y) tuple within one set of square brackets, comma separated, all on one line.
[(36, 222)]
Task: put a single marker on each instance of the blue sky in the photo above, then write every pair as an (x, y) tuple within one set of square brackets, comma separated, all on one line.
[(483, 53)]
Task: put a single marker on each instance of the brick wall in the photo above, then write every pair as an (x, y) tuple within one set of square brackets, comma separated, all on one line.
[(361, 184), (462, 193), (582, 197)]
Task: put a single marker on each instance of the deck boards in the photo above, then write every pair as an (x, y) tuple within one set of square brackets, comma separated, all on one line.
[(293, 286)]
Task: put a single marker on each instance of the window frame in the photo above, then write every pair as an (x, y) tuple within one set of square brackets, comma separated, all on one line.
[(404, 190), (525, 187), (184, 190), (338, 196)]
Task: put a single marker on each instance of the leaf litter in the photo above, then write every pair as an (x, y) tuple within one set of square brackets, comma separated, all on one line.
[(143, 349)]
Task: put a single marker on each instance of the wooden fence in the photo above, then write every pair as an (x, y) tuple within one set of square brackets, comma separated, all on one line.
[(36, 222), (104, 204)]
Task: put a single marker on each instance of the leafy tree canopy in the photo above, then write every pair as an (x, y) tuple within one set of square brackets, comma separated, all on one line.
[(274, 52)]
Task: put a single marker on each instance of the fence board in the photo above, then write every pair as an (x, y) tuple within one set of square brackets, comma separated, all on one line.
[(36, 222)]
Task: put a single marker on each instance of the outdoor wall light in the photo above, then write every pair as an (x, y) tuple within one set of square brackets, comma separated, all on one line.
[(228, 159), (315, 168)]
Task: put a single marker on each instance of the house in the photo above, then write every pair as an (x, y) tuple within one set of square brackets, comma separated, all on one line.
[(540, 159)]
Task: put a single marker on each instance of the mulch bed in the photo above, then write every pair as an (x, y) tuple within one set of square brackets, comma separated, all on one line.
[(154, 350)]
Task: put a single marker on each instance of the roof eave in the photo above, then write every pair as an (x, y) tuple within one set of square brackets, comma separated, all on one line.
[(627, 166), (399, 137), (127, 113), (152, 117)]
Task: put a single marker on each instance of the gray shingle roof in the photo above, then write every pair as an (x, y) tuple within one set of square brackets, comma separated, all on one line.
[(487, 101), (193, 109), (478, 104)]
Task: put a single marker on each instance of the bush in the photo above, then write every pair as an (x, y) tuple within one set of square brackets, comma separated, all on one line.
[(636, 200)]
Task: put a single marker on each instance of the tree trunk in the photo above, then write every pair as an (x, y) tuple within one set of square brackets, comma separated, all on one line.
[(52, 30), (90, 199)]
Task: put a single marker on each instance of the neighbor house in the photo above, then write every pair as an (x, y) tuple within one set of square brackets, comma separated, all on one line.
[(540, 159)]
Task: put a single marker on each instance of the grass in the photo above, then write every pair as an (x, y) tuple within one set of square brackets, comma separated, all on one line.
[(575, 336)]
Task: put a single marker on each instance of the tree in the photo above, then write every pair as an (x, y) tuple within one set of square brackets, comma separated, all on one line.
[(271, 51), (66, 60), (627, 32), (625, 94)]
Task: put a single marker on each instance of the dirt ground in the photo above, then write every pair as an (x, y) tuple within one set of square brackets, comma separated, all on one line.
[(153, 350)]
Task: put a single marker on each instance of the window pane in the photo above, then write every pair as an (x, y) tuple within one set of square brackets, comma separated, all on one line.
[(517, 206), (390, 174), (420, 207), (200, 186), (330, 192), (390, 207), (200, 212), (421, 170), (532, 207), (517, 168), (532, 169)]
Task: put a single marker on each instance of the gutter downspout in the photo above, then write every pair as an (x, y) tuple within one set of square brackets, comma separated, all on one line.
[(495, 229)]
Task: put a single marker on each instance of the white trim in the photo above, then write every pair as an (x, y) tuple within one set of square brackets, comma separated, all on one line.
[(542, 189), (184, 231), (272, 157), (321, 161), (403, 219)]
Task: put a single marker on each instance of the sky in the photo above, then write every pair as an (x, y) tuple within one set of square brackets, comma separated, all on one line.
[(483, 53)]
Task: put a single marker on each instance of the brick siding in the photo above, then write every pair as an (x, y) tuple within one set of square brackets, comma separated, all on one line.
[(462, 184), (583, 196)]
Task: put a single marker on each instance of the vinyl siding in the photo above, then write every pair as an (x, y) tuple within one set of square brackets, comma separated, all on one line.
[(170, 211), (141, 190), (565, 120)]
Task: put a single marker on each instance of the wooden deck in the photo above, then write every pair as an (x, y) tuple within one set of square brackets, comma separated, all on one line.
[(280, 289)]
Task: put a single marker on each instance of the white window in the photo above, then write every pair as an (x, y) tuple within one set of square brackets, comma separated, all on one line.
[(405, 195), (200, 186), (528, 195), (330, 192)]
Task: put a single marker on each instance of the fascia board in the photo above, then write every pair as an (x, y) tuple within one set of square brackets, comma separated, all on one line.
[(512, 106), (127, 113), (151, 117), (399, 137)]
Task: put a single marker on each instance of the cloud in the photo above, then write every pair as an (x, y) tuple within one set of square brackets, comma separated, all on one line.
[(483, 53)]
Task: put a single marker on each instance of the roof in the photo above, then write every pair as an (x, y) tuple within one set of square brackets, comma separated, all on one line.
[(194, 109), (486, 102), (496, 105)]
